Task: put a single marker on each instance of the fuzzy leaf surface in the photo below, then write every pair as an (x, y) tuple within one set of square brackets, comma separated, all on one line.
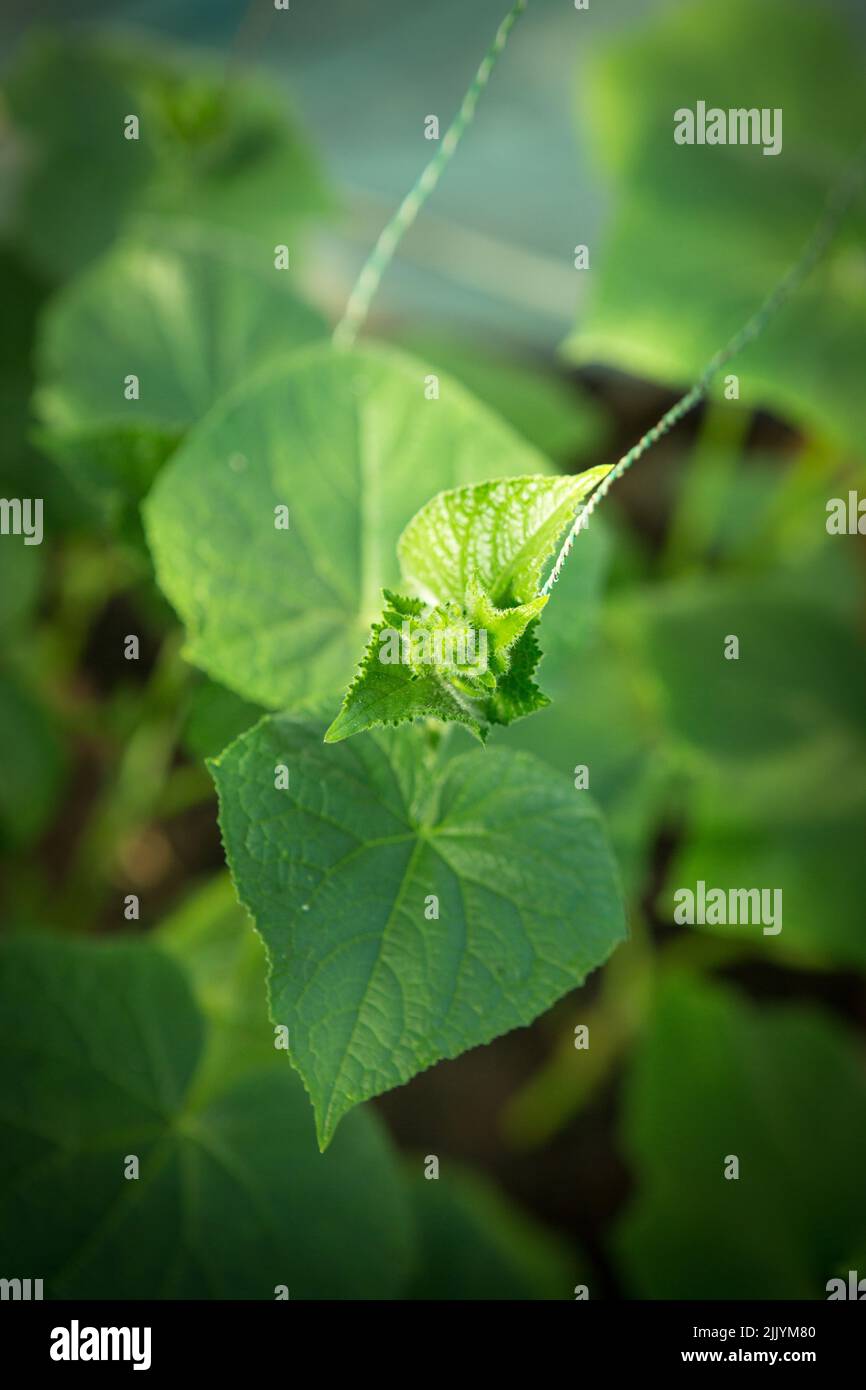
[(497, 535)]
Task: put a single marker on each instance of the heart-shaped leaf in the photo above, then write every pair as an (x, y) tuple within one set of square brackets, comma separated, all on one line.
[(409, 913), (104, 1050), (274, 527)]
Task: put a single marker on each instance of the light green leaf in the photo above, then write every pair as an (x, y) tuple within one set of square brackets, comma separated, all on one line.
[(717, 1077), (199, 312), (558, 416), (345, 870), (496, 535), (106, 1045), (477, 554), (446, 663), (349, 444), (702, 233)]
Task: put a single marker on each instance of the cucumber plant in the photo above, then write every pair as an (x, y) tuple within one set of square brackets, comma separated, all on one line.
[(415, 899)]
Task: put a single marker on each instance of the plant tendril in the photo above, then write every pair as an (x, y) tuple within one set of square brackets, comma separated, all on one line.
[(838, 202), (382, 254)]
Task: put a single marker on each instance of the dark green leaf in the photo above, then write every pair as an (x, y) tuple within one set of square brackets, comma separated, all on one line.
[(105, 1045), (785, 1093)]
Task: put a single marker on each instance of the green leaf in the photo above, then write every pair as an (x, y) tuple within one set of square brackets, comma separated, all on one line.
[(199, 312), (214, 717), (703, 233), (773, 751), (603, 717), (105, 1044), (209, 150), (801, 667), (33, 762), (23, 472), (793, 822), (341, 870), (111, 469), (557, 416), (211, 938), (477, 1245), (230, 153), (67, 100), (715, 1077), (496, 535), (349, 444), (444, 663), (477, 553), (20, 578)]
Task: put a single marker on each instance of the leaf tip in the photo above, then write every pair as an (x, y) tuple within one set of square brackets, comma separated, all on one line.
[(334, 733)]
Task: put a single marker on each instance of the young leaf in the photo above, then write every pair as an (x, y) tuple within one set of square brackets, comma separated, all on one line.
[(106, 1047), (496, 535), (347, 443), (478, 553), (409, 914), (443, 663)]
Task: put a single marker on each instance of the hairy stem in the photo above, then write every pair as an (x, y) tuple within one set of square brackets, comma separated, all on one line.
[(383, 252), (838, 202)]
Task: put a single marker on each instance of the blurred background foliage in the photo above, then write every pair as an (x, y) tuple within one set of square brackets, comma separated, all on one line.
[(559, 1166)]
